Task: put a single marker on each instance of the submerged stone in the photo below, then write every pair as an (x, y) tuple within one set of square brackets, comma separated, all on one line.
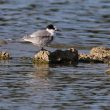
[(4, 55), (3, 42)]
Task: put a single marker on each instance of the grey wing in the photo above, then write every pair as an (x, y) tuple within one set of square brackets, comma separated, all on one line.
[(40, 33), (39, 38), (46, 40), (43, 37)]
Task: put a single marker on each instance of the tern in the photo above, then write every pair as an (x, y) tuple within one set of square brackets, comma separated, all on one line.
[(41, 38)]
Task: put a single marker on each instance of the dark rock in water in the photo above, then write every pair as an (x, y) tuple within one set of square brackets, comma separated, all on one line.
[(4, 56), (97, 55), (3, 42), (69, 56)]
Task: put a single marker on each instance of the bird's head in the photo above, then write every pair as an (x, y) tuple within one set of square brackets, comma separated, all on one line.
[(51, 28)]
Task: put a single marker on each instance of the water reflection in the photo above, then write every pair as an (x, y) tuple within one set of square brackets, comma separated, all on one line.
[(42, 71), (42, 86)]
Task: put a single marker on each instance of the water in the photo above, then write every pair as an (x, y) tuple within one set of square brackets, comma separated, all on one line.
[(25, 86)]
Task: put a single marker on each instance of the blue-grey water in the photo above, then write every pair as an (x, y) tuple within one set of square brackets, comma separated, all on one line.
[(24, 86)]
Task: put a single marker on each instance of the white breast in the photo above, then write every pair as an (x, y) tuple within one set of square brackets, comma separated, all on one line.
[(51, 31)]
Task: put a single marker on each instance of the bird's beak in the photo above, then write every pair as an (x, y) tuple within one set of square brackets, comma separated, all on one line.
[(57, 29)]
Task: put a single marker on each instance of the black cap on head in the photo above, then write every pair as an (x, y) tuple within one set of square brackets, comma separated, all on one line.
[(50, 26)]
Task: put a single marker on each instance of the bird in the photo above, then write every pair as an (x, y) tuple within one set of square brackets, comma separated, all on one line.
[(42, 38)]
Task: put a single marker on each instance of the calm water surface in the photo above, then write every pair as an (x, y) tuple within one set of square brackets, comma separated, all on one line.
[(24, 86)]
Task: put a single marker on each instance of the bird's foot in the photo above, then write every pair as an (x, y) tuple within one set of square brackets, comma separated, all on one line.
[(42, 49)]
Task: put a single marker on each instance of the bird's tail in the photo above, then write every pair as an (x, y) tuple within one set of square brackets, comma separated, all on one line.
[(26, 38)]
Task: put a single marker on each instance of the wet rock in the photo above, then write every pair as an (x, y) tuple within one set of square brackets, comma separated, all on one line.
[(69, 56), (4, 55), (41, 57), (101, 53), (108, 72), (3, 42), (87, 58), (97, 55)]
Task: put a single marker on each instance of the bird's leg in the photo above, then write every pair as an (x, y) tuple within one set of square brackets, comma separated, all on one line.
[(42, 49)]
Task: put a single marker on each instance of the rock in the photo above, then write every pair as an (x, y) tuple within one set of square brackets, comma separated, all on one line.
[(4, 56), (108, 72), (101, 53), (87, 58), (42, 57), (2, 42), (97, 55), (84, 58), (69, 56)]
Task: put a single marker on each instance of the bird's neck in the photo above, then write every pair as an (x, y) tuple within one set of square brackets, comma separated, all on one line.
[(51, 31)]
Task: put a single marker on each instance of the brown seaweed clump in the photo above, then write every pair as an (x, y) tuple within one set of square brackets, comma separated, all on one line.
[(4, 55), (69, 56)]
